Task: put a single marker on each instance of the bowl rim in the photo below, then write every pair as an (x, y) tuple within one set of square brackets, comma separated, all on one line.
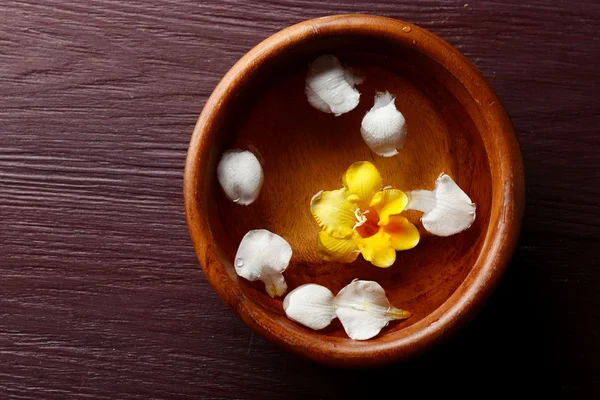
[(500, 239)]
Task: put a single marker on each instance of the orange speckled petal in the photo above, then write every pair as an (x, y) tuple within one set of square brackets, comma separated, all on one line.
[(403, 234)]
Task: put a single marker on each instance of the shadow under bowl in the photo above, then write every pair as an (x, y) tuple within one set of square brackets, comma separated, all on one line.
[(456, 125)]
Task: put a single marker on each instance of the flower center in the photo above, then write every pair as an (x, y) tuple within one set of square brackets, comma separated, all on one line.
[(366, 225)]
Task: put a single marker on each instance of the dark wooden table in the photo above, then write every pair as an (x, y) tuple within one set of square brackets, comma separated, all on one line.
[(101, 295)]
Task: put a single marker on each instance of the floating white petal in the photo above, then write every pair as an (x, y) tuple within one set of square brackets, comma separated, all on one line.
[(240, 175), (383, 127), (447, 209), (329, 87), (264, 256), (363, 309), (310, 305)]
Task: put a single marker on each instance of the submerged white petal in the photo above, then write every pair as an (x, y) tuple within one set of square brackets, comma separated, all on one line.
[(310, 305), (352, 77), (263, 255), (241, 176), (363, 309), (329, 87), (383, 127), (447, 209)]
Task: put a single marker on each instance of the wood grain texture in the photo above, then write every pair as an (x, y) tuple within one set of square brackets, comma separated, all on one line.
[(101, 295)]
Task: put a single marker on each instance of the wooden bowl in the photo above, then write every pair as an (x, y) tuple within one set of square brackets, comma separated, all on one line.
[(456, 125)]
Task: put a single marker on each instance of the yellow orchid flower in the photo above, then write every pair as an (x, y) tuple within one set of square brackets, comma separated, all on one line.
[(362, 217)]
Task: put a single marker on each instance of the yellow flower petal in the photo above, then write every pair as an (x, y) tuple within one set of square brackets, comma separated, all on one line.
[(378, 249), (363, 180), (335, 249), (403, 234), (389, 202), (334, 212)]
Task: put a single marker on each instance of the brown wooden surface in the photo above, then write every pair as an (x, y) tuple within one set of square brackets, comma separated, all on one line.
[(101, 295)]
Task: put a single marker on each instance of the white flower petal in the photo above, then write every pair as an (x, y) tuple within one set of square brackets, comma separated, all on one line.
[(316, 101), (447, 209), (330, 88), (240, 175), (383, 127), (310, 305), (352, 77), (363, 309), (263, 255)]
